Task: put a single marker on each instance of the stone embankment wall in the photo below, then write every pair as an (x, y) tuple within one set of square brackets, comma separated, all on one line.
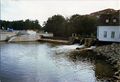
[(86, 41), (112, 52)]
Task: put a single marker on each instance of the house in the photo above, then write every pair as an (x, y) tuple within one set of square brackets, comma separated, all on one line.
[(109, 28), (108, 33)]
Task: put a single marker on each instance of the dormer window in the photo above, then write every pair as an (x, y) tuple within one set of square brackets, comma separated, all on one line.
[(107, 20), (98, 16), (114, 20)]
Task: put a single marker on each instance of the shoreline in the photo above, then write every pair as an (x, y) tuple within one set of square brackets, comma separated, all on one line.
[(57, 41), (112, 53), (108, 53), (54, 41)]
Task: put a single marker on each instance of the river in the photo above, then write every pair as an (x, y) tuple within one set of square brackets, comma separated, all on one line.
[(45, 62)]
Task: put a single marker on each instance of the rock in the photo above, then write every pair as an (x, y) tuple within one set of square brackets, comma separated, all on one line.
[(112, 52)]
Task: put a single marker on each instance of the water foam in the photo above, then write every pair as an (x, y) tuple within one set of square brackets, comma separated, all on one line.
[(67, 48)]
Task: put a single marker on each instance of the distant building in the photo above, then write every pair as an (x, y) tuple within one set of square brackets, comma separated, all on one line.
[(109, 28)]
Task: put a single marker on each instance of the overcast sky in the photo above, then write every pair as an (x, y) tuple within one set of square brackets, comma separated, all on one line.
[(42, 9)]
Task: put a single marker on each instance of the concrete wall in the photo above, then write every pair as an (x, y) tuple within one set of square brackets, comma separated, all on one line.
[(108, 29), (46, 34), (4, 35), (25, 38)]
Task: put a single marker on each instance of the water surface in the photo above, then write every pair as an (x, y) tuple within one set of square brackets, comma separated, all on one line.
[(44, 62)]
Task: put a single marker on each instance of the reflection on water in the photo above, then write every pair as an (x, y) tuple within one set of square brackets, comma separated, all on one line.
[(36, 62)]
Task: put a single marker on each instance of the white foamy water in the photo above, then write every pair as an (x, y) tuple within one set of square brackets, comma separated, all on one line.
[(92, 47), (67, 48)]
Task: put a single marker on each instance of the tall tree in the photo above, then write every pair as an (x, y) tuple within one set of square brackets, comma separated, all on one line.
[(83, 24), (56, 25)]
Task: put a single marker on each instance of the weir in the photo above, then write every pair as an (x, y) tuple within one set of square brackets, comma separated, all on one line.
[(9, 39)]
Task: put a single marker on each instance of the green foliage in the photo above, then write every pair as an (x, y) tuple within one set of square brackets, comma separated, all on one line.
[(83, 25), (20, 25), (56, 25)]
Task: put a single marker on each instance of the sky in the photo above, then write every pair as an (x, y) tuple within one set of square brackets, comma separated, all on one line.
[(43, 9)]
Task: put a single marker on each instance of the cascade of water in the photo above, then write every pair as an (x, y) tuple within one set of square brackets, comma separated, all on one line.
[(67, 48)]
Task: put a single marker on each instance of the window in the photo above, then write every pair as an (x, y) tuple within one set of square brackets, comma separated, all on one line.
[(119, 36), (107, 20), (114, 20), (112, 34), (105, 34)]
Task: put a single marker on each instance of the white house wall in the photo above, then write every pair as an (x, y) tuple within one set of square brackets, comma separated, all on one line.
[(108, 29)]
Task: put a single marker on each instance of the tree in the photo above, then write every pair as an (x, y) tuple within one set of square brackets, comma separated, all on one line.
[(21, 25), (56, 25), (83, 24), (79, 24)]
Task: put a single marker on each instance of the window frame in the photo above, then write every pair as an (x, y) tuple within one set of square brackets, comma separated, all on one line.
[(112, 34), (105, 34)]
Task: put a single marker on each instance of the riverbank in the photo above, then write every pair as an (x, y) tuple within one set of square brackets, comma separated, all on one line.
[(54, 41), (22, 36), (26, 37), (109, 53), (112, 53)]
